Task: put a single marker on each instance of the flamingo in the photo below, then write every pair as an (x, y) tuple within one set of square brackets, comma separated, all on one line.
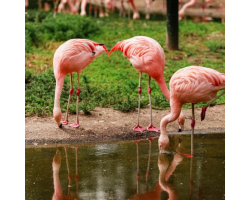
[(184, 7), (72, 56), (189, 4), (26, 3), (165, 171), (191, 84), (56, 164), (147, 56), (73, 9)]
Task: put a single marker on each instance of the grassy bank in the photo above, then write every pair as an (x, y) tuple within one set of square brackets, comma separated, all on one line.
[(113, 82)]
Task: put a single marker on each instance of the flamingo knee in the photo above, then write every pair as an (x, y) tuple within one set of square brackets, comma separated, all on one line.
[(139, 90), (149, 90), (78, 92)]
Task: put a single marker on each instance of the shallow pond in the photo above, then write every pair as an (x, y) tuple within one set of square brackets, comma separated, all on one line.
[(128, 170)]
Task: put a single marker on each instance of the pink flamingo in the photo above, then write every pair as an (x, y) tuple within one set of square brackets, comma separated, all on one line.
[(56, 164), (189, 4), (184, 7), (26, 3), (165, 172), (72, 56), (190, 85), (147, 56), (136, 14), (73, 9)]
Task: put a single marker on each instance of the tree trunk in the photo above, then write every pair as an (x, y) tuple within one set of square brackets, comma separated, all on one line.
[(172, 35)]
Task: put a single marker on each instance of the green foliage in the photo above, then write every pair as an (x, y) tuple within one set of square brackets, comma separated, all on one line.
[(64, 27), (28, 42), (113, 82), (32, 31), (28, 76), (36, 15), (215, 45)]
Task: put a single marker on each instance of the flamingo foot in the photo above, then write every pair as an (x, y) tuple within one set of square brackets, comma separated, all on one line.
[(152, 128), (138, 128), (76, 125), (65, 122)]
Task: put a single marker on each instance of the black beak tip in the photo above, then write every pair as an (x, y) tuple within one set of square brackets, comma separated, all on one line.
[(179, 130), (60, 126)]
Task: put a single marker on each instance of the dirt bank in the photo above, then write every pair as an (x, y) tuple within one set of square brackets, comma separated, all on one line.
[(106, 124)]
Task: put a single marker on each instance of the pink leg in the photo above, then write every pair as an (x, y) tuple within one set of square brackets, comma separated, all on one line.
[(70, 94), (83, 7), (136, 14), (151, 127), (192, 134), (76, 125), (138, 128)]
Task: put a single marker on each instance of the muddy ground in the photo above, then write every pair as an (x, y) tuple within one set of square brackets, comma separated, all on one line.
[(107, 124)]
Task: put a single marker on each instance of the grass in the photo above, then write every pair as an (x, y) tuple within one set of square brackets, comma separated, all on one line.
[(113, 82)]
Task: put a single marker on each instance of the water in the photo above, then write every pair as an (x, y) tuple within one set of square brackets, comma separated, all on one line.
[(112, 171)]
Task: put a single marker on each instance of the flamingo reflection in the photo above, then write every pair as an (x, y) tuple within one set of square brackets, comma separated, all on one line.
[(165, 172), (56, 164)]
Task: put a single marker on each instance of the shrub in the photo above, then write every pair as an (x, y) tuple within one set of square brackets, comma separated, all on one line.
[(215, 45), (65, 27), (32, 32), (36, 15)]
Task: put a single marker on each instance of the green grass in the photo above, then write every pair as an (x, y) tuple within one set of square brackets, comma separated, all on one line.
[(113, 82)]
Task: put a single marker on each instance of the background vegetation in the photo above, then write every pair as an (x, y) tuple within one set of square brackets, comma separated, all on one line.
[(110, 82)]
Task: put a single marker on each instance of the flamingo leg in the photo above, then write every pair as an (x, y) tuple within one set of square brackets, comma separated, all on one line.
[(77, 177), (76, 125), (149, 155), (138, 127), (203, 111), (70, 94), (192, 133), (151, 127), (138, 173), (67, 163)]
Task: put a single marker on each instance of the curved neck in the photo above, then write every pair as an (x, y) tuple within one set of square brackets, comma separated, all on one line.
[(163, 178), (58, 91), (163, 86), (188, 4)]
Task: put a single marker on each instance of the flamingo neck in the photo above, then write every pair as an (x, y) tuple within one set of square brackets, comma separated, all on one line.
[(163, 86), (58, 91)]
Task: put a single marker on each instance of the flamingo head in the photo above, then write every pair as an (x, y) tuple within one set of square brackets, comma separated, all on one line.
[(181, 122), (57, 114), (163, 143), (101, 49), (56, 160)]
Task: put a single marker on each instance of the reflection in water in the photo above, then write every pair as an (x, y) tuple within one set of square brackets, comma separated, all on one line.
[(130, 170), (164, 175), (56, 164)]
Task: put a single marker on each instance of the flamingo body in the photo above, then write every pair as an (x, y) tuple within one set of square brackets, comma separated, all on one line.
[(192, 84), (196, 84), (144, 53), (72, 56), (147, 56)]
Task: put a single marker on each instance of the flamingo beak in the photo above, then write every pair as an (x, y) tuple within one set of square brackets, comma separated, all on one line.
[(181, 127), (105, 49)]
